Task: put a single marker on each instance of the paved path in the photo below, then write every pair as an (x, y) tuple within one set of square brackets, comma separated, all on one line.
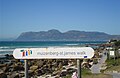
[(115, 75), (96, 67)]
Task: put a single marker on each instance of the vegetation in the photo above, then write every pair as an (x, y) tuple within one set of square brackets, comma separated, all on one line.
[(117, 43), (69, 76), (97, 76), (112, 62), (87, 74), (93, 76), (113, 65)]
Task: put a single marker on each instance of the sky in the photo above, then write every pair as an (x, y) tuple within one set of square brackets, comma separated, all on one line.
[(17, 16)]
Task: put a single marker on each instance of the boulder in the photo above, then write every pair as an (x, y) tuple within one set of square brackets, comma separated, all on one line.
[(65, 62), (3, 75), (63, 73), (40, 72), (39, 63), (47, 71), (18, 68), (14, 75), (3, 65), (33, 68), (71, 70), (31, 73), (55, 73), (6, 69)]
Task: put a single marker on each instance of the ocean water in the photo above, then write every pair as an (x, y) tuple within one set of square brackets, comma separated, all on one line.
[(7, 47)]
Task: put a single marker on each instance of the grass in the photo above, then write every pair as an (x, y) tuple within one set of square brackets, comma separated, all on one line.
[(83, 72), (93, 76), (113, 65), (97, 76), (87, 74), (113, 62), (69, 76)]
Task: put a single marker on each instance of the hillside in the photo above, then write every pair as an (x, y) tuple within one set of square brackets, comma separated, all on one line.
[(72, 35)]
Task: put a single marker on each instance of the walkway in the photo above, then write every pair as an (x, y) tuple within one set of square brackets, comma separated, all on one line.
[(115, 75), (96, 67)]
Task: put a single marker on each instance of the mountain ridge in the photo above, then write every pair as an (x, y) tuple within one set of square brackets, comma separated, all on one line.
[(71, 35)]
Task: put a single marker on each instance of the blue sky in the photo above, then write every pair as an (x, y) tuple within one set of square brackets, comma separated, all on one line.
[(17, 16)]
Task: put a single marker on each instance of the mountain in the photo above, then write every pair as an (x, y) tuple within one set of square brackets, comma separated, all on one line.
[(72, 35)]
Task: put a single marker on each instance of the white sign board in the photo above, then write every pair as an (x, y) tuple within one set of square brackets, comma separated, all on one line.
[(54, 53), (112, 53)]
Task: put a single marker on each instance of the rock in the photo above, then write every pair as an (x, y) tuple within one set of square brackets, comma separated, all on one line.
[(40, 63), (57, 77), (63, 73), (47, 77), (19, 63), (7, 55), (47, 71), (22, 74), (18, 68), (65, 62), (3, 75), (60, 65), (33, 68), (55, 73), (71, 70), (3, 65), (14, 75), (40, 72), (6, 69), (53, 68), (31, 73)]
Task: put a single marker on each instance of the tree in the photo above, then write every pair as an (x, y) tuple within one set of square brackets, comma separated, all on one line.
[(117, 43)]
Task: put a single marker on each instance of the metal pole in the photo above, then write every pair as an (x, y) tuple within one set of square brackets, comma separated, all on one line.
[(79, 68), (26, 68)]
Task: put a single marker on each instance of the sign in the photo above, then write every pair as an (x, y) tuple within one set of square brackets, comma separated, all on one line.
[(54, 53), (112, 53)]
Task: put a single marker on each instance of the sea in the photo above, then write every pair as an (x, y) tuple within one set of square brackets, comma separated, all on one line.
[(7, 47)]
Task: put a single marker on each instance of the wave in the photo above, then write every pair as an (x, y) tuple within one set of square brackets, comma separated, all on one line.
[(4, 50), (72, 44), (4, 47), (13, 47), (4, 53)]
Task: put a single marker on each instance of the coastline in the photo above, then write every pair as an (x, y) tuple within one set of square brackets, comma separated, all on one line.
[(55, 68)]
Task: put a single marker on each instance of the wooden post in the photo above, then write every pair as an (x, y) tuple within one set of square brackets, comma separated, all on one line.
[(79, 68), (26, 68)]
